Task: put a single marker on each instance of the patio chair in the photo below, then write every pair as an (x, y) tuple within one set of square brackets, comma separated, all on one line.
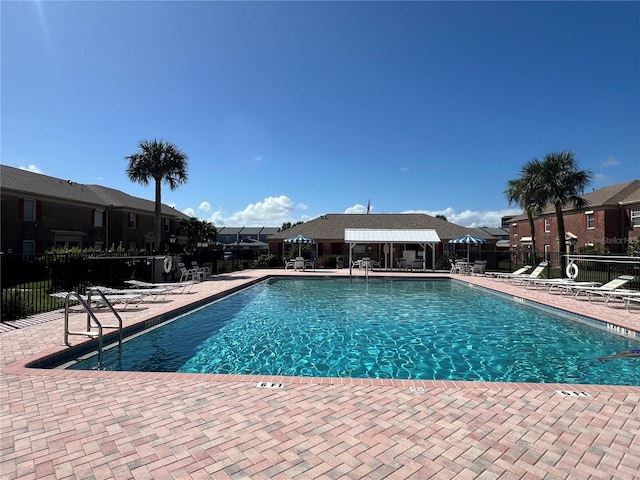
[(187, 274), (97, 300), (204, 272), (310, 264), (503, 275), (601, 290), (535, 274), (298, 263), (144, 292), (288, 263), (170, 286), (478, 267)]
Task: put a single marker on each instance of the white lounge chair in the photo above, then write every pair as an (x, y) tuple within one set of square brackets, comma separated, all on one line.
[(535, 274), (591, 291), (144, 292), (504, 275), (170, 286), (289, 263), (98, 301), (558, 283)]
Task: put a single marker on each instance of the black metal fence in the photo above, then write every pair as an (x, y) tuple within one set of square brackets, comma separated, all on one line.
[(26, 281)]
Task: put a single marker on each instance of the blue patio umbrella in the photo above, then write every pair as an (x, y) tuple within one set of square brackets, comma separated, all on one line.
[(468, 239), (299, 239)]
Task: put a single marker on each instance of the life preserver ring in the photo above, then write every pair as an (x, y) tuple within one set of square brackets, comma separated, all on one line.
[(572, 271), (168, 264)]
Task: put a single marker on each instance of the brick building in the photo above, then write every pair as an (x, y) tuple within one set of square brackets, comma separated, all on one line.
[(611, 220), (40, 212)]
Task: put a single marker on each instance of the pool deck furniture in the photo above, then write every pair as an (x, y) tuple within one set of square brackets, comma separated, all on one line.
[(189, 274), (97, 301), (506, 275), (172, 287), (628, 300), (205, 273), (289, 263), (154, 293), (537, 273), (617, 282), (558, 283)]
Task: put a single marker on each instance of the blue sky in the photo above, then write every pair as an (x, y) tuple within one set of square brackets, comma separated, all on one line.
[(290, 110)]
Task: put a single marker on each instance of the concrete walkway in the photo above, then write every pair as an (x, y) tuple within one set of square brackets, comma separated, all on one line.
[(58, 424)]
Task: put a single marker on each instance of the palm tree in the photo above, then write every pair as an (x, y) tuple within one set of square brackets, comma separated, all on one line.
[(563, 183), (526, 192), (162, 162)]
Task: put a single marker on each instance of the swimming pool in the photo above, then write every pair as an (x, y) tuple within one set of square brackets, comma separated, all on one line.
[(391, 328)]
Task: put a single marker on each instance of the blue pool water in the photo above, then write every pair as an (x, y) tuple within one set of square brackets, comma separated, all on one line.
[(414, 329)]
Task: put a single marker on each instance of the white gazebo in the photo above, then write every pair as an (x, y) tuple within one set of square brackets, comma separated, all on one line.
[(389, 237)]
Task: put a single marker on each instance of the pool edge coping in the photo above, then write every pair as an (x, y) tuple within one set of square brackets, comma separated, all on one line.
[(25, 366)]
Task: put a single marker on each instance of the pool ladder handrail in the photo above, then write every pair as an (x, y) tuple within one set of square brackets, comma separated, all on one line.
[(93, 330)]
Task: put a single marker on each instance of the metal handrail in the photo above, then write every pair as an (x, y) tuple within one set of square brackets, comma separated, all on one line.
[(90, 331)]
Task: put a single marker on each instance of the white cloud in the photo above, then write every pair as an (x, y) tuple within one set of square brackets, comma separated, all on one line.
[(31, 168), (470, 218), (204, 207), (611, 162), (272, 212), (357, 208), (189, 212)]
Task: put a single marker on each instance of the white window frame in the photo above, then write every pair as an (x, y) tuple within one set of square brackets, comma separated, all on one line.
[(547, 252), (547, 224), (515, 229), (29, 209), (634, 217), (590, 220)]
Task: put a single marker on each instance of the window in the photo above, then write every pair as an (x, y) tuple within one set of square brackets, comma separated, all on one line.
[(98, 218), (167, 224), (515, 229), (98, 246), (28, 249), (133, 220), (635, 217), (547, 224), (29, 209), (547, 253), (590, 220)]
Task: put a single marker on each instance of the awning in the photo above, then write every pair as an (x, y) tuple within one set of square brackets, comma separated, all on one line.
[(381, 235), (423, 237)]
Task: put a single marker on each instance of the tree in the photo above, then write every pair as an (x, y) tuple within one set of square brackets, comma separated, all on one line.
[(527, 192), (563, 183), (162, 162), (198, 231), (441, 217)]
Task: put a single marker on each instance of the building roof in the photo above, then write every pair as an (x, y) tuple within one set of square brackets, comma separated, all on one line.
[(22, 182), (331, 227), (626, 193), (383, 235)]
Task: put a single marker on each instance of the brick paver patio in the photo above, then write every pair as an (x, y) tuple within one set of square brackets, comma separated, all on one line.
[(58, 424)]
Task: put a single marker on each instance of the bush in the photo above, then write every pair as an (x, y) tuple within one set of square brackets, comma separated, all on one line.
[(14, 306)]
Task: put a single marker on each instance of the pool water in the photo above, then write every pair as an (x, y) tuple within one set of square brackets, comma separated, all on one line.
[(413, 329)]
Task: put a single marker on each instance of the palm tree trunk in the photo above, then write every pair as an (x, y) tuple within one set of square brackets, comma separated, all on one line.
[(562, 242), (532, 226), (157, 217)]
